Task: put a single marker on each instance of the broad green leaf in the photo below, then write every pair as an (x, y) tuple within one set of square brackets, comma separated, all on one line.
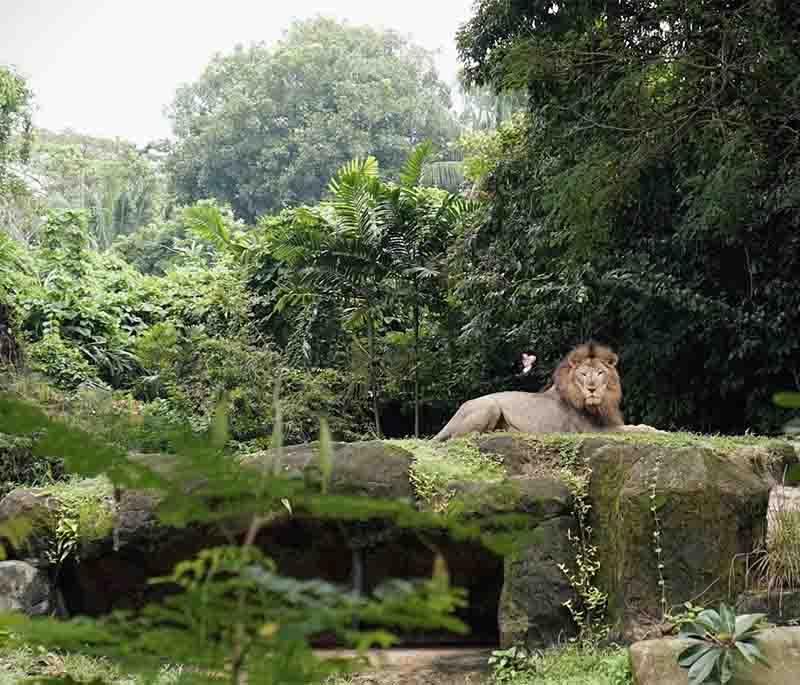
[(711, 620), (693, 630), (702, 668), (691, 654), (746, 622), (726, 666), (727, 619), (747, 650)]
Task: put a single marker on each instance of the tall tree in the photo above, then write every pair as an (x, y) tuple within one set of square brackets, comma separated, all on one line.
[(377, 248), (422, 221), (265, 128), (122, 188), (15, 123), (15, 135)]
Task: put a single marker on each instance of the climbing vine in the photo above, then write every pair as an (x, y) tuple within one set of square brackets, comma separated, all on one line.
[(657, 530), (590, 612)]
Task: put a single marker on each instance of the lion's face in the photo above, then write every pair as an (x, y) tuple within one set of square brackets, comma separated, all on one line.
[(587, 379), (592, 378)]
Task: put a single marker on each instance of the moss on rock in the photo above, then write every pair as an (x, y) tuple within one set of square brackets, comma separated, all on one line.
[(435, 467), (711, 511)]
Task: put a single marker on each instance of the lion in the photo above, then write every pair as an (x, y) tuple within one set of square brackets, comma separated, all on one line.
[(584, 397)]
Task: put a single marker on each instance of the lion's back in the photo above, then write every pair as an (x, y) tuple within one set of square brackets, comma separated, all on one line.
[(538, 413)]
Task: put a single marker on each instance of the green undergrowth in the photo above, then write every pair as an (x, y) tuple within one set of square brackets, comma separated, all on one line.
[(86, 512), (20, 665), (575, 665), (436, 465), (20, 467), (722, 443)]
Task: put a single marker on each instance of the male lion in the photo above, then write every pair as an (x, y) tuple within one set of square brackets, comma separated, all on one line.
[(584, 398)]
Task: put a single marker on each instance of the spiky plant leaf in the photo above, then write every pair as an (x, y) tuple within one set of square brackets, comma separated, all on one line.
[(411, 172)]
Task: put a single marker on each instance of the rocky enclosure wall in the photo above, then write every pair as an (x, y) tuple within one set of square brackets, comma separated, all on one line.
[(692, 505)]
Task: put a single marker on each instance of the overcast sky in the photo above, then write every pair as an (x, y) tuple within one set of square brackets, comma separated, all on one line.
[(109, 67)]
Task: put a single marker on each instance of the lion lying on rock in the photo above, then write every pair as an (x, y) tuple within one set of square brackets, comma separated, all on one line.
[(584, 398)]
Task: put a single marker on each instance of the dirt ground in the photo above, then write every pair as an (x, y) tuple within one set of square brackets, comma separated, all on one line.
[(447, 666)]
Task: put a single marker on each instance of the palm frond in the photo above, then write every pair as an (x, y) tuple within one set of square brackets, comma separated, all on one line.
[(355, 172), (411, 173), (206, 222)]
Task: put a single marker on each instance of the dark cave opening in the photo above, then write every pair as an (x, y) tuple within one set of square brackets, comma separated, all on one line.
[(306, 549), (394, 553)]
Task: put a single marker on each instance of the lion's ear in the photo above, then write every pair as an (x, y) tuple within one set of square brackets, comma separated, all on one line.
[(613, 359)]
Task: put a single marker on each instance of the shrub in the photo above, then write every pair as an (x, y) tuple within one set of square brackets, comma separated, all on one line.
[(191, 371), (777, 559), (59, 361), (19, 466)]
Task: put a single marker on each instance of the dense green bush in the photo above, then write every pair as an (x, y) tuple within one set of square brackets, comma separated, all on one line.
[(650, 202), (193, 371), (19, 466), (59, 361)]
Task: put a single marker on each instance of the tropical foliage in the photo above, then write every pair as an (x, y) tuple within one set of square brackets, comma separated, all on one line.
[(376, 251), (649, 198), (120, 187), (15, 124)]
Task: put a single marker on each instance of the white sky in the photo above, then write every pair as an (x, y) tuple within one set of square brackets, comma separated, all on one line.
[(109, 67)]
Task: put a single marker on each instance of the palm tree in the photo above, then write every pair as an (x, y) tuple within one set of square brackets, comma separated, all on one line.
[(342, 250), (422, 222), (374, 244)]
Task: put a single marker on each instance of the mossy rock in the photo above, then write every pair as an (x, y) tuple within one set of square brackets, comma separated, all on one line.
[(782, 608), (711, 510), (31, 518), (373, 468), (532, 607), (538, 454), (538, 499)]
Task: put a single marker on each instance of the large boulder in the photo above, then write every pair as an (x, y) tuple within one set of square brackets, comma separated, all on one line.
[(537, 499), (781, 608), (26, 522), (532, 607), (372, 468), (536, 516), (655, 662), (711, 511), (24, 588)]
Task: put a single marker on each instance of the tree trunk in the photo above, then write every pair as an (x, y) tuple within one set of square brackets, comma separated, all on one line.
[(373, 386), (416, 363), (9, 349)]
